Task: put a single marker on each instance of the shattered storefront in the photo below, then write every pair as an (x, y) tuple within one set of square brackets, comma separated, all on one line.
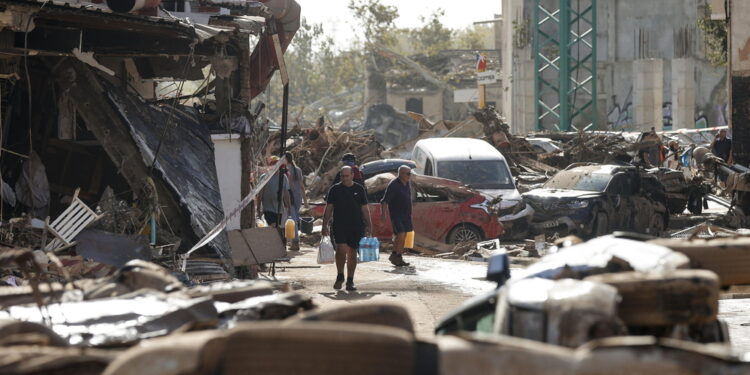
[(89, 110)]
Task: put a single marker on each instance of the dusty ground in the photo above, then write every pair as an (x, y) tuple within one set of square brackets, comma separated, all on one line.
[(428, 291), (434, 287)]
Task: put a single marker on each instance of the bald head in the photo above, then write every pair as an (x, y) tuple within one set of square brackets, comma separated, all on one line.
[(404, 173), (347, 175)]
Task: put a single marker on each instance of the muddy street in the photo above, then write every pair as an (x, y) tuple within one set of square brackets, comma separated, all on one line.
[(429, 290)]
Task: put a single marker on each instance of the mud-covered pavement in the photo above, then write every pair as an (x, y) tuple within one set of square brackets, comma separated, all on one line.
[(432, 287), (429, 289)]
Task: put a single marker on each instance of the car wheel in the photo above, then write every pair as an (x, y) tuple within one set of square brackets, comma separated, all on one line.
[(601, 225), (465, 233)]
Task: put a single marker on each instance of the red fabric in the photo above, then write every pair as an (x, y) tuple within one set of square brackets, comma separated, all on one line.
[(263, 62)]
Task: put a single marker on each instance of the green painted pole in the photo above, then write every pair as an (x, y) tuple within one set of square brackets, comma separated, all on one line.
[(564, 32), (594, 70), (537, 66)]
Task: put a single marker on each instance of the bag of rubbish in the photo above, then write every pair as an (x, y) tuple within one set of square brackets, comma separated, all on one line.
[(326, 253)]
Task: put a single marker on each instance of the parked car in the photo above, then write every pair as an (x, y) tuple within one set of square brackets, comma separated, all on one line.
[(545, 145), (481, 167), (377, 167), (592, 200), (444, 210)]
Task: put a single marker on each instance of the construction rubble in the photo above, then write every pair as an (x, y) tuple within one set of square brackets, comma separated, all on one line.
[(136, 151)]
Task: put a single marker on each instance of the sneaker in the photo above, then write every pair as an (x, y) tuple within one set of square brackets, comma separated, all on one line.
[(294, 246), (350, 286), (339, 282), (397, 260)]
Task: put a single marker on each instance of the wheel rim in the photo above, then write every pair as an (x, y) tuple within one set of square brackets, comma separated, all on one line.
[(465, 235)]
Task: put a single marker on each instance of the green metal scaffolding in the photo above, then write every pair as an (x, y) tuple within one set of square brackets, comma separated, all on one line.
[(565, 78)]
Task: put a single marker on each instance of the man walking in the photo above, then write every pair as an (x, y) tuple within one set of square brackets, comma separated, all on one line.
[(297, 191), (272, 209), (722, 146), (397, 202), (347, 204), (350, 160)]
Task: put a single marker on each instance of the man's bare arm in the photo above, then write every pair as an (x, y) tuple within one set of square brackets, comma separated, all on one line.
[(368, 222), (287, 201), (327, 218)]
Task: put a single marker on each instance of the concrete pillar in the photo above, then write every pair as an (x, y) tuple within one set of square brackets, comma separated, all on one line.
[(683, 93), (523, 98), (648, 94)]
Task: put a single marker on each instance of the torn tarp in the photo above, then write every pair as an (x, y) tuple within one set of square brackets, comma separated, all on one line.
[(185, 159)]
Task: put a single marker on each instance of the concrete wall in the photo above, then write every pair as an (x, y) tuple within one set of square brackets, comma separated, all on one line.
[(683, 93), (627, 31), (229, 172), (648, 90), (432, 102), (518, 67)]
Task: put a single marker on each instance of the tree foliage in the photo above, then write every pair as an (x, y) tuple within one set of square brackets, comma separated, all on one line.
[(715, 36), (433, 36), (320, 68), (376, 20)]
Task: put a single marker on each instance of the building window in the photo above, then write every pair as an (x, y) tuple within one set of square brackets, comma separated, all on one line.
[(414, 105)]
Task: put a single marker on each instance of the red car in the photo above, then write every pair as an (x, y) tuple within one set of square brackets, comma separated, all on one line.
[(444, 210)]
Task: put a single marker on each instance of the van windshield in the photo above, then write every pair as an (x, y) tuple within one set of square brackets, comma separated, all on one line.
[(477, 174)]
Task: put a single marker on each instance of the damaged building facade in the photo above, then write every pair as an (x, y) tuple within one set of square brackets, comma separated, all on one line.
[(122, 108), (650, 60)]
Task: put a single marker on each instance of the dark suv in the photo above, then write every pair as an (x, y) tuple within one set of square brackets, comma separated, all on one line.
[(593, 200)]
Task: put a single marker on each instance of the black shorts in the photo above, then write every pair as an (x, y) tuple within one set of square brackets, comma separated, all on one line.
[(348, 236), (271, 218), (402, 226)]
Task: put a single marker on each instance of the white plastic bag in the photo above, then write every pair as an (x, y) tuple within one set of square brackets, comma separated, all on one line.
[(326, 253)]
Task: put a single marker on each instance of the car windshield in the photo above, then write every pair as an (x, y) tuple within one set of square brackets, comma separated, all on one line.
[(579, 180), (477, 174)]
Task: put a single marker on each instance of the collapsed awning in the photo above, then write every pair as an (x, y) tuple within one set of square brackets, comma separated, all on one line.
[(185, 160), (130, 131)]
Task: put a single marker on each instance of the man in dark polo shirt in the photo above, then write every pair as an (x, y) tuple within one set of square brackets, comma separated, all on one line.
[(722, 146), (397, 202), (347, 203)]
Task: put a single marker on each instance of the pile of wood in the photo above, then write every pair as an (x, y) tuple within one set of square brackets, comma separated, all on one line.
[(319, 150)]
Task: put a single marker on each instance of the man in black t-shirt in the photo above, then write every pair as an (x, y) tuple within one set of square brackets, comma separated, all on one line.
[(722, 146), (347, 204)]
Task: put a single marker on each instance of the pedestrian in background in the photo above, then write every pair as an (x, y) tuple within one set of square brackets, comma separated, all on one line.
[(397, 202), (722, 146), (350, 160), (298, 196), (347, 205), (272, 209)]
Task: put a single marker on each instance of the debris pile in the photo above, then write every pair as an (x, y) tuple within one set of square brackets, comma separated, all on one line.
[(318, 151)]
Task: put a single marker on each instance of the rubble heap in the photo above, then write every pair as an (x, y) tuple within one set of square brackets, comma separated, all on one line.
[(318, 151)]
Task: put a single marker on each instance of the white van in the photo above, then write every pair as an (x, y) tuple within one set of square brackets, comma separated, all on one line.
[(480, 166)]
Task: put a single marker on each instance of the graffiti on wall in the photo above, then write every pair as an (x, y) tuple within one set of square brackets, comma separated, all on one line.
[(620, 116)]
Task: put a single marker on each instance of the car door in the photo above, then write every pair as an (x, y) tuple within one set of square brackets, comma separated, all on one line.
[(620, 199), (381, 228), (433, 212)]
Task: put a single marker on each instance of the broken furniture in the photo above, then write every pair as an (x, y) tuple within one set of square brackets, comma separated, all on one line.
[(256, 246), (71, 222)]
